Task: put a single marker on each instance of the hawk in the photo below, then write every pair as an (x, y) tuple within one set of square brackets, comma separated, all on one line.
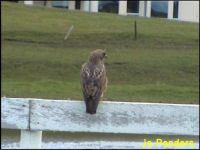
[(93, 80)]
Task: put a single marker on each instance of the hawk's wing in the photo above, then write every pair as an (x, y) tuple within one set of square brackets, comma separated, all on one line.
[(93, 80)]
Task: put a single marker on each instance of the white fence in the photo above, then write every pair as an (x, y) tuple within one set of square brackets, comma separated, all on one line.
[(32, 116)]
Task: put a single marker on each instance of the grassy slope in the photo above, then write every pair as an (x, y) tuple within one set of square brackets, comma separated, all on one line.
[(161, 66)]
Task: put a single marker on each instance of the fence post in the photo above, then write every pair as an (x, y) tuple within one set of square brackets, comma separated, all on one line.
[(135, 27), (30, 139)]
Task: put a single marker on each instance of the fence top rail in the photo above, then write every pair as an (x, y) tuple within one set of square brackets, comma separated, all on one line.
[(115, 102), (111, 117)]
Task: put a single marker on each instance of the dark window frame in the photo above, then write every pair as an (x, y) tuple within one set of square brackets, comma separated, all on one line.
[(175, 9), (108, 6), (129, 8), (159, 12)]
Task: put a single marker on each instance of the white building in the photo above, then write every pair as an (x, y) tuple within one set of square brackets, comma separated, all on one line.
[(178, 10)]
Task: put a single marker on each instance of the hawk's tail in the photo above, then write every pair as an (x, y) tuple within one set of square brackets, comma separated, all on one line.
[(91, 105)]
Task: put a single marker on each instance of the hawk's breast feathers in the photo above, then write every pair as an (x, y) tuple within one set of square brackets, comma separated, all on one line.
[(93, 79)]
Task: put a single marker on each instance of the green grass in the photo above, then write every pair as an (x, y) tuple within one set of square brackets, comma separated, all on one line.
[(162, 65)]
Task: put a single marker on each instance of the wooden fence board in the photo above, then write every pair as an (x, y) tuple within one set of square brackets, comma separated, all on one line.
[(115, 117), (14, 113)]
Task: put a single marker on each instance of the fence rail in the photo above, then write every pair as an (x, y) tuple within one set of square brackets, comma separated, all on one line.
[(32, 116)]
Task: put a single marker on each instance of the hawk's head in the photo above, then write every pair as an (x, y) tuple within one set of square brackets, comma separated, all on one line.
[(97, 56)]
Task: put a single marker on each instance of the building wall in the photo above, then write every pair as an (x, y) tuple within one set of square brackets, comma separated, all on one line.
[(122, 8), (189, 11), (27, 2), (38, 3)]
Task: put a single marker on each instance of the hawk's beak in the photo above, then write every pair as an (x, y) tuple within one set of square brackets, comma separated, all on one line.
[(106, 56)]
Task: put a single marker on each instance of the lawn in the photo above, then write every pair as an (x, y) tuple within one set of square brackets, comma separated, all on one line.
[(162, 65)]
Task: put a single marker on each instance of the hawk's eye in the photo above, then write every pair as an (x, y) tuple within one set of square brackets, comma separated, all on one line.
[(104, 54)]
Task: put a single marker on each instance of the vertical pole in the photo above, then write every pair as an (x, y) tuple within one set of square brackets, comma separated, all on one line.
[(135, 30), (30, 139)]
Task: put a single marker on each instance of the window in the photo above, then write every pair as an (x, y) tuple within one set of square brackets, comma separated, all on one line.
[(78, 4), (108, 6), (60, 4), (175, 9), (159, 9), (133, 6)]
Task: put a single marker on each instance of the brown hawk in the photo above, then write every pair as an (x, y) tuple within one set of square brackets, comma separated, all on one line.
[(93, 80)]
